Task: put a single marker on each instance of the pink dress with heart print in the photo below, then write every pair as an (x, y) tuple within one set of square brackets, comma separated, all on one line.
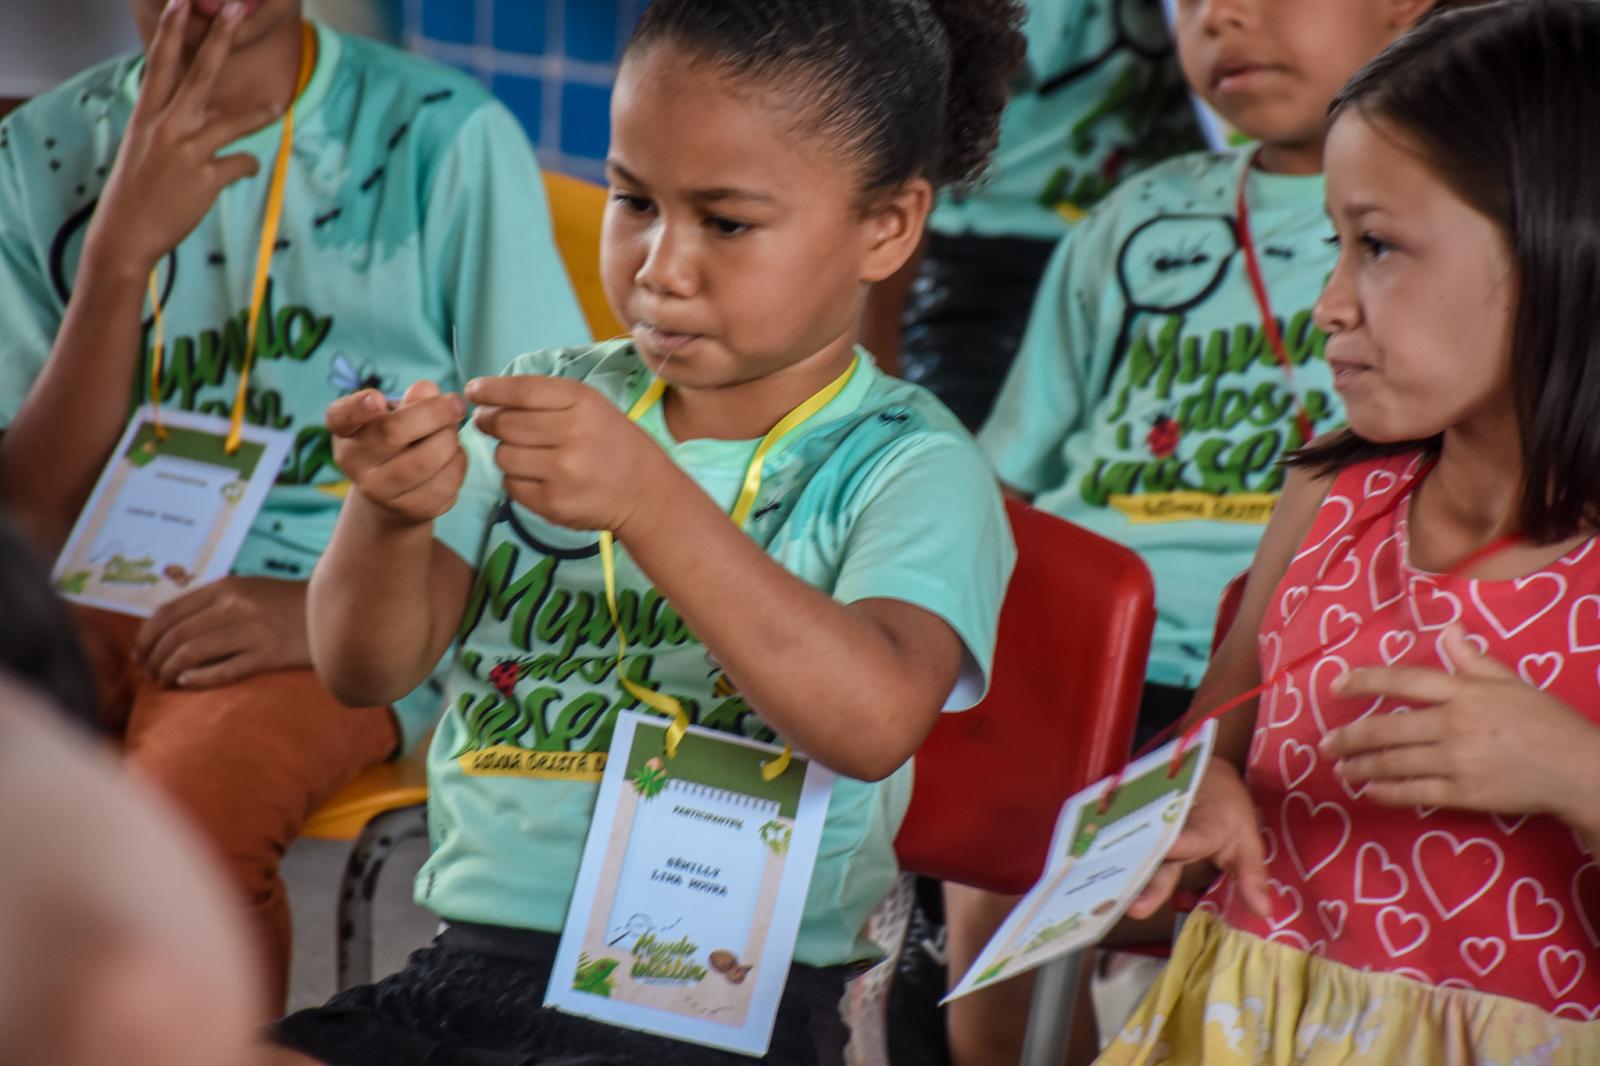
[(1457, 926)]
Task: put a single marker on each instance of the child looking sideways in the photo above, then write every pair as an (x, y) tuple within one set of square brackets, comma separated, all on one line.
[(770, 160), (1420, 767), (1148, 402)]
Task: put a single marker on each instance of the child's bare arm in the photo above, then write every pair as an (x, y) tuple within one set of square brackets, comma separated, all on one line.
[(166, 178), (385, 597)]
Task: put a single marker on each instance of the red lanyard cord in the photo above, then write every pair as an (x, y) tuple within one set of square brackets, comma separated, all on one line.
[(1269, 324)]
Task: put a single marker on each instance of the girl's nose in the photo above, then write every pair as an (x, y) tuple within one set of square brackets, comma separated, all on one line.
[(668, 268), (1336, 310)]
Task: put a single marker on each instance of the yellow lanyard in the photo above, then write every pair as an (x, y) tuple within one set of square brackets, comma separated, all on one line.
[(269, 239), (657, 701)]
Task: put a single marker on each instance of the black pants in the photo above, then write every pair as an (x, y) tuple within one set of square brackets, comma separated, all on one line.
[(474, 999), (965, 316)]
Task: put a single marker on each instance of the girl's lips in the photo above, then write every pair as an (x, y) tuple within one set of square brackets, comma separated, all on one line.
[(1236, 77), (662, 341), (1346, 373)]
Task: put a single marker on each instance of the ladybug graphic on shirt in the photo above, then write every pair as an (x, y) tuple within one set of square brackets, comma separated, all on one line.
[(1163, 436), (505, 675)]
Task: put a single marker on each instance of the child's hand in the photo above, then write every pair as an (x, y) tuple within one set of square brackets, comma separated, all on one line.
[(1222, 829), (569, 455), (1480, 739), (226, 632), (167, 174), (407, 460)]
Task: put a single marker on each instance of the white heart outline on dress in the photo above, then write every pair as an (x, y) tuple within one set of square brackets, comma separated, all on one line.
[(1556, 951), (1313, 810), (1343, 617), (1279, 889), (1572, 625), (1410, 642), (1284, 749), (1436, 593), (1349, 512), (1384, 866), (1518, 585), (1540, 901), (1525, 670), (1406, 918), (1457, 846), (1469, 947), (1339, 906)]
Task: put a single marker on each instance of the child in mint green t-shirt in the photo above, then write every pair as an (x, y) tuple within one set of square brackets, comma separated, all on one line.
[(1147, 402), (413, 223), (757, 192)]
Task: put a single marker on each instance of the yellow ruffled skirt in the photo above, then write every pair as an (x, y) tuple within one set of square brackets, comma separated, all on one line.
[(1230, 997)]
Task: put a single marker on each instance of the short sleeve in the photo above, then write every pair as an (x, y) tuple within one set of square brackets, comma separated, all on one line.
[(1042, 400), (29, 313), (932, 532), (487, 235)]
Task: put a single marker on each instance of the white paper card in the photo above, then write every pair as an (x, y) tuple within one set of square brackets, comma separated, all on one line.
[(1097, 865), (689, 895), (167, 515)]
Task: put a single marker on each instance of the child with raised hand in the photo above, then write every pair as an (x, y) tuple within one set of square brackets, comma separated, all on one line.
[(770, 160), (411, 206), (1422, 613)]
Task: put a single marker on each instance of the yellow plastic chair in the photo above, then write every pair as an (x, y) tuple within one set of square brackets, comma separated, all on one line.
[(386, 804), (576, 208)]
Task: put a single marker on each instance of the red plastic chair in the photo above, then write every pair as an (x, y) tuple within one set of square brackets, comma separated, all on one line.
[(1068, 672)]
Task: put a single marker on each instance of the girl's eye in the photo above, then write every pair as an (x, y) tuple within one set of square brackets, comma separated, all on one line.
[(1333, 241), (1373, 246), (637, 204), (727, 227)]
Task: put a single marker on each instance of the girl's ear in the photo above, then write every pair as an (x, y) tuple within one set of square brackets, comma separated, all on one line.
[(893, 229)]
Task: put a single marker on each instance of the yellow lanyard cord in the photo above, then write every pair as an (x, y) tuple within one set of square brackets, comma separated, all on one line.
[(657, 701), (272, 216), (155, 357)]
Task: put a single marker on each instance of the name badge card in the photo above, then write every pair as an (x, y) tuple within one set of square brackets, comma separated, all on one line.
[(1098, 863), (693, 879), (167, 515)]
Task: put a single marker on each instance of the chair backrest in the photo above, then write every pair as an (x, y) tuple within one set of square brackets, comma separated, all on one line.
[(576, 208), (1068, 673)]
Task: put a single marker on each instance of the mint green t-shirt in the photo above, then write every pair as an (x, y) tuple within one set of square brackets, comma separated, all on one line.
[(413, 210), (880, 495), (1146, 404), (1100, 97)]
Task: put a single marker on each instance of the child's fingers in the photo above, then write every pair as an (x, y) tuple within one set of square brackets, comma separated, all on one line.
[(526, 464), (1412, 684), (1384, 731), (1250, 880), (170, 614), (1470, 662), (349, 415), (194, 91), (434, 495), (413, 467), (230, 168), (520, 426), (526, 391), (1157, 892), (1390, 764), (163, 60), (418, 391)]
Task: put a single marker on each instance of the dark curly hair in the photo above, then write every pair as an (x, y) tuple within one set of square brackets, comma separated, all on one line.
[(911, 88), (1499, 99), (38, 642)]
